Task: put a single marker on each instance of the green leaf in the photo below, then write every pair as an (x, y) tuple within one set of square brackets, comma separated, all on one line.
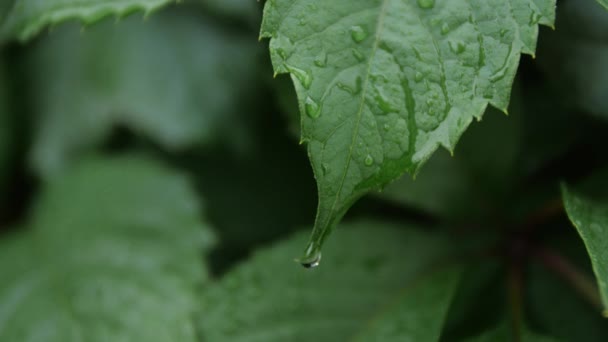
[(381, 84), (173, 78), (503, 333), (590, 218), (113, 254), (5, 126), (603, 3), (380, 280), (28, 17)]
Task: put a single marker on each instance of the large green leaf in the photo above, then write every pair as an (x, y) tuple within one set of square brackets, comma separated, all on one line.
[(173, 78), (378, 272), (113, 254), (603, 3), (381, 84), (28, 17), (590, 217)]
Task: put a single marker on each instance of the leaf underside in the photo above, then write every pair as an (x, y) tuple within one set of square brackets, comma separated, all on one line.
[(121, 265), (27, 18), (381, 84), (379, 284), (591, 221)]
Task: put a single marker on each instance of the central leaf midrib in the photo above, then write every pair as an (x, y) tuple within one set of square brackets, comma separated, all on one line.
[(379, 26)]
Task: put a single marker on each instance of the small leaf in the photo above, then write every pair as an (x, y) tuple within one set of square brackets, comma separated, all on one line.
[(113, 254), (173, 78), (28, 17), (590, 218), (424, 69), (380, 272)]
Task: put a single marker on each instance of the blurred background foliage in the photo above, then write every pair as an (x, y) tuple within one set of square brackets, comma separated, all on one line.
[(161, 151)]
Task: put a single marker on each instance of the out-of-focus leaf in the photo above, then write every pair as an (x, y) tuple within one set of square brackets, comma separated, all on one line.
[(5, 125), (590, 218), (574, 56), (603, 3), (28, 17), (113, 254), (376, 271), (556, 308), (502, 333), (382, 84), (177, 78)]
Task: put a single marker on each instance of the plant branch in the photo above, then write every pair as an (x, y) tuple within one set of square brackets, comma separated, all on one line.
[(563, 268)]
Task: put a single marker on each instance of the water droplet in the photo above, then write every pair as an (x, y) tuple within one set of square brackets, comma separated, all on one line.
[(312, 255), (426, 4), (369, 160), (358, 33), (358, 55), (384, 103), (418, 77), (445, 28), (535, 18), (313, 110), (282, 53), (457, 46), (325, 168), (304, 77), (503, 32), (352, 90), (302, 22), (387, 127), (321, 60)]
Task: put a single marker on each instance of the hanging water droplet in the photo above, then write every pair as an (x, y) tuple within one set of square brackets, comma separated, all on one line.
[(313, 110), (304, 77), (445, 28), (358, 55), (535, 18), (426, 4), (312, 256), (321, 59), (418, 77), (457, 46), (358, 33), (369, 160)]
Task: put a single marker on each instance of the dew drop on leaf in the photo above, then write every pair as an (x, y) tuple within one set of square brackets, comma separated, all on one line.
[(358, 55), (358, 33), (312, 256), (445, 28), (304, 77), (313, 110), (369, 160), (457, 47), (418, 77), (321, 59), (426, 4)]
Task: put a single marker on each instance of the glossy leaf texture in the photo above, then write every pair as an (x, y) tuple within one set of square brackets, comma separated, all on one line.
[(26, 18), (173, 79), (574, 56), (590, 217), (603, 3), (107, 257), (382, 84), (381, 282)]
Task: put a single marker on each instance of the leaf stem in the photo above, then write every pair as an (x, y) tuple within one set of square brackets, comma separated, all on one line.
[(563, 268), (549, 210), (515, 293)]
